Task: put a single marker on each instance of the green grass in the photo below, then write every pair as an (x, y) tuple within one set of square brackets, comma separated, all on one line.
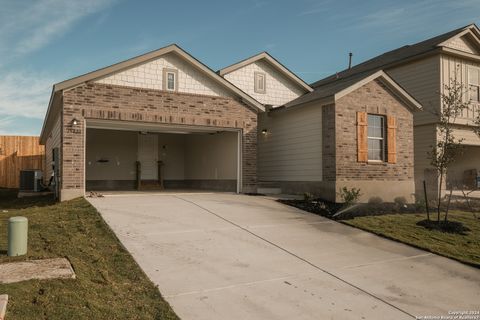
[(109, 284), (403, 227)]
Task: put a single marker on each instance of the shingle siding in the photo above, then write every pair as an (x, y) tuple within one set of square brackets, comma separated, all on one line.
[(149, 75), (279, 90)]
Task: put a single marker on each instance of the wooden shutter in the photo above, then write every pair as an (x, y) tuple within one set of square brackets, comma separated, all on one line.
[(391, 139), (362, 139)]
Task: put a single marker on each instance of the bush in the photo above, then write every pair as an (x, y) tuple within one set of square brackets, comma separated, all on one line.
[(400, 201), (349, 196), (307, 197), (375, 200)]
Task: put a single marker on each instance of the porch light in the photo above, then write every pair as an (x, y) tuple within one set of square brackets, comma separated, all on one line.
[(264, 131), (74, 121)]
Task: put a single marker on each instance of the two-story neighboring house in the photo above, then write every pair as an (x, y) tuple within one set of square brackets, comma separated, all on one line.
[(423, 70)]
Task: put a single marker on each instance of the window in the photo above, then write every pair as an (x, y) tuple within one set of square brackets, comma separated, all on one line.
[(474, 84), (259, 82), (376, 137), (170, 79)]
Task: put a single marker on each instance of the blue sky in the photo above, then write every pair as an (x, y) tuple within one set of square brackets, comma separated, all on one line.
[(46, 41)]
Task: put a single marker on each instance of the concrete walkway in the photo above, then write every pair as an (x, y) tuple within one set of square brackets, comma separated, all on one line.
[(226, 256)]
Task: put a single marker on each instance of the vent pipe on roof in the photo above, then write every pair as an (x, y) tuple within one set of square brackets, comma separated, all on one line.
[(350, 60)]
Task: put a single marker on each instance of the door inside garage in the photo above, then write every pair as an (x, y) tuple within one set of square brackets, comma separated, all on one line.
[(119, 157)]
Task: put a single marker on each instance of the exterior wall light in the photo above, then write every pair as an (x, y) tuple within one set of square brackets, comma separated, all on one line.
[(264, 131), (74, 122)]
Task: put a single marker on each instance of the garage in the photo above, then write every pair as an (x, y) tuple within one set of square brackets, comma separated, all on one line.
[(159, 121), (129, 156)]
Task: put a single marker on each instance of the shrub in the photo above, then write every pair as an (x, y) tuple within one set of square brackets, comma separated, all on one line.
[(375, 200), (349, 196), (307, 197), (400, 201)]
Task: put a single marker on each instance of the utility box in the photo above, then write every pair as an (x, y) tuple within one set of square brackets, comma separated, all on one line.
[(17, 236)]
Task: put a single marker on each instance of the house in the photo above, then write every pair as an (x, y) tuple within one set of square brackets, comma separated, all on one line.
[(423, 70), (162, 116), (166, 120)]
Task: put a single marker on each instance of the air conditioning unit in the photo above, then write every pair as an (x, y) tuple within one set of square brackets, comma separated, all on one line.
[(31, 180)]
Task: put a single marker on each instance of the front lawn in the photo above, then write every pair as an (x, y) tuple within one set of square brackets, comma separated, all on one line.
[(109, 284), (464, 246)]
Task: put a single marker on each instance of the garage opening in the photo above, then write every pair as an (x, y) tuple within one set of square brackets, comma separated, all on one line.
[(166, 159)]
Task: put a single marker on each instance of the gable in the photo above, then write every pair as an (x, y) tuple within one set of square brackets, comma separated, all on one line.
[(278, 88), (149, 75), (465, 43)]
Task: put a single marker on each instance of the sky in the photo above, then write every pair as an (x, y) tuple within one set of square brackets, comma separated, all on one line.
[(43, 42)]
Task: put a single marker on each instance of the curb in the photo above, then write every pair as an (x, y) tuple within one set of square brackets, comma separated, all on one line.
[(3, 305)]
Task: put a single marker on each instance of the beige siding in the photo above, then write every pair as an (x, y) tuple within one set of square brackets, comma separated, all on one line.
[(467, 135), (422, 80), (292, 148), (53, 141), (424, 140), (462, 44), (457, 68), (279, 89), (149, 75)]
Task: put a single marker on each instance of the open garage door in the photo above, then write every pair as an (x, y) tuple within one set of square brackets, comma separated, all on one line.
[(129, 156)]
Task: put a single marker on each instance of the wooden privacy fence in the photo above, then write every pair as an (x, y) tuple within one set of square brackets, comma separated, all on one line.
[(19, 153)]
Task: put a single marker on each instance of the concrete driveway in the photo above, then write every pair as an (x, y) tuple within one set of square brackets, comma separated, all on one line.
[(226, 256)]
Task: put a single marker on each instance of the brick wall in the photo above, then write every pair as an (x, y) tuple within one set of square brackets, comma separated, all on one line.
[(373, 97), (329, 143), (110, 102)]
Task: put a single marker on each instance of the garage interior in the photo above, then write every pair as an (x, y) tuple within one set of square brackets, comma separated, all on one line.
[(161, 159)]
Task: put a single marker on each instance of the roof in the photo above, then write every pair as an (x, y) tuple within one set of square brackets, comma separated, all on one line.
[(333, 91), (54, 104), (399, 55), (266, 56)]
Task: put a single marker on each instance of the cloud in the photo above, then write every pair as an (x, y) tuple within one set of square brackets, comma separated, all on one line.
[(24, 94), (316, 8), (26, 26), (407, 17)]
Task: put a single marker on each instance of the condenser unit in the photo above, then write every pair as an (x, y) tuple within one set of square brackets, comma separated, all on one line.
[(31, 180)]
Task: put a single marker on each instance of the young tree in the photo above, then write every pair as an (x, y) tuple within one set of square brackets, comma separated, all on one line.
[(443, 154)]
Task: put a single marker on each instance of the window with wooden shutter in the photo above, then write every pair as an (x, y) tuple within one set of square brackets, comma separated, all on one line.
[(362, 142), (391, 139)]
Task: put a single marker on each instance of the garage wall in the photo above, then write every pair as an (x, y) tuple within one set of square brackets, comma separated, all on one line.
[(171, 149), (211, 157), (118, 147), (190, 160)]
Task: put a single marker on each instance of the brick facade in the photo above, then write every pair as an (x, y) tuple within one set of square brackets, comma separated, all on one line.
[(122, 103), (373, 98)]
